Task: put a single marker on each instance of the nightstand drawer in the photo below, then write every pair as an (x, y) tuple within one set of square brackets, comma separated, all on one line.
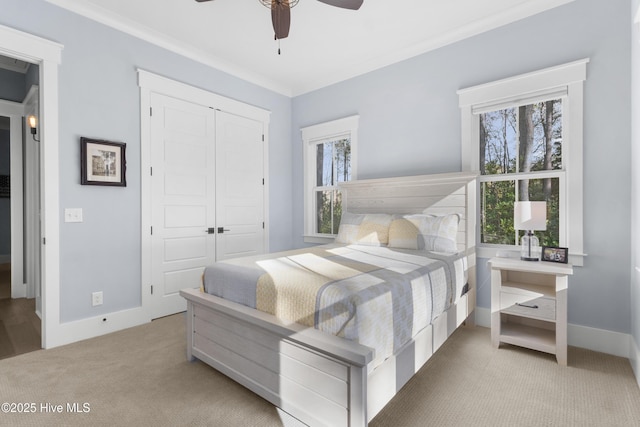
[(543, 308)]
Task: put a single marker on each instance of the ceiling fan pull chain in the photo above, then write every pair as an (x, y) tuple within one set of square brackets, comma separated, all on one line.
[(275, 37)]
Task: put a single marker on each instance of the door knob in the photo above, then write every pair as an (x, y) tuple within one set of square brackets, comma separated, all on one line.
[(222, 230)]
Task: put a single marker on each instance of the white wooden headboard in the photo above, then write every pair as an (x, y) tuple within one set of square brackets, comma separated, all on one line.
[(434, 194)]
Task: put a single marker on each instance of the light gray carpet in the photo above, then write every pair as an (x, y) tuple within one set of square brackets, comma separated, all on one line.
[(141, 377), (6, 347)]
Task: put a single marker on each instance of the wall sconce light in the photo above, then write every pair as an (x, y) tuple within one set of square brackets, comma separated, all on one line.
[(33, 124)]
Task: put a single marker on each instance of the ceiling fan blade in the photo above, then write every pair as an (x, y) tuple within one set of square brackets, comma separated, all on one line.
[(281, 18), (345, 4)]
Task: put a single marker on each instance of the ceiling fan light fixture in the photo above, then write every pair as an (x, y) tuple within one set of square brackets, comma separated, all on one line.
[(281, 13), (280, 16), (271, 3)]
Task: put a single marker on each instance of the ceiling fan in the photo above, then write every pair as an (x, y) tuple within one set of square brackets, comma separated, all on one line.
[(281, 12)]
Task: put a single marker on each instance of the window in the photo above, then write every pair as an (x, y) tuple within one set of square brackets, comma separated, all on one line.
[(329, 160), (524, 137), (520, 160)]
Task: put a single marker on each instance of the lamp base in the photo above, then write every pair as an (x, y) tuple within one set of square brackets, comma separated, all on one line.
[(530, 247)]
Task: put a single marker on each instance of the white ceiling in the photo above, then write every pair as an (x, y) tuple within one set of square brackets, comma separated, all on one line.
[(325, 45)]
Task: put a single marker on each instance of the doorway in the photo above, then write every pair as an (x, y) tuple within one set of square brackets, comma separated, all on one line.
[(20, 326), (47, 55)]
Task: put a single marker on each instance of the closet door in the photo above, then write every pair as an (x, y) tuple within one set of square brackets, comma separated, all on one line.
[(239, 186), (182, 199)]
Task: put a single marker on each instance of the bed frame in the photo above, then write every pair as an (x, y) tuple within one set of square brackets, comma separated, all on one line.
[(320, 379)]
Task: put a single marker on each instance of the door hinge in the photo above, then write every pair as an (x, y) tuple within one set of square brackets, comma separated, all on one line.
[(151, 170), (44, 240), (262, 181), (152, 230), (151, 289), (263, 137), (151, 111), (263, 225)]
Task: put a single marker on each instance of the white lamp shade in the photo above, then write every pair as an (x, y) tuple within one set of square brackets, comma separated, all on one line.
[(530, 215)]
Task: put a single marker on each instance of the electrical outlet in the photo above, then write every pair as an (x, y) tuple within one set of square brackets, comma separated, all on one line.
[(96, 298)]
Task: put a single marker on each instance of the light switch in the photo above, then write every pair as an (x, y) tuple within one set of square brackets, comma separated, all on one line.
[(73, 215)]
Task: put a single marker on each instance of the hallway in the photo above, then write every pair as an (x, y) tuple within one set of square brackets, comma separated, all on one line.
[(19, 325)]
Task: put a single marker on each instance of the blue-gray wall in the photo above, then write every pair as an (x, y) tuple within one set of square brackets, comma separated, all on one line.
[(99, 97), (12, 85), (31, 78), (410, 123)]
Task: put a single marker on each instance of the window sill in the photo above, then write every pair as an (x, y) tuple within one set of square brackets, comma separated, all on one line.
[(505, 251), (319, 239)]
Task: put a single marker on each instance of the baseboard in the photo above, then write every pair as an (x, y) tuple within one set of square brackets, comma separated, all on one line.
[(19, 291), (67, 333), (483, 317), (600, 340), (634, 358)]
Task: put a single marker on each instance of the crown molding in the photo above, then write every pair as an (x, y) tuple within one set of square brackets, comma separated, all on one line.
[(135, 29), (471, 29), (475, 28)]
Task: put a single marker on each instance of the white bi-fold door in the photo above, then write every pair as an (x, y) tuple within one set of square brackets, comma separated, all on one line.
[(207, 194)]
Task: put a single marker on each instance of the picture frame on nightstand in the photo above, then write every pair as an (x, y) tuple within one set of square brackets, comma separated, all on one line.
[(555, 254)]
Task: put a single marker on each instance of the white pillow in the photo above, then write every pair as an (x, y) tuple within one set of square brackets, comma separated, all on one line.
[(429, 232), (364, 229)]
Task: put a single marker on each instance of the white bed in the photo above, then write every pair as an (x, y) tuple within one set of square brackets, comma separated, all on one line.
[(316, 377)]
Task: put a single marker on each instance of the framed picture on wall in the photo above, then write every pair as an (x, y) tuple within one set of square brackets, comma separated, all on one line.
[(102, 162)]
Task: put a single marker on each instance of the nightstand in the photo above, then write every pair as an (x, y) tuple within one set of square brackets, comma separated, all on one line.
[(529, 305)]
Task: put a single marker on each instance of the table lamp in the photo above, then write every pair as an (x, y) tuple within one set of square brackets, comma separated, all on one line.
[(530, 216)]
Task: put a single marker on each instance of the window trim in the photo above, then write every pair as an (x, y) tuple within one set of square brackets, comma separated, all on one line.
[(311, 136), (562, 79)]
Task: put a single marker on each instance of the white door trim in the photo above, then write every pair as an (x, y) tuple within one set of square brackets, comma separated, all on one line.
[(47, 55), (148, 83)]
